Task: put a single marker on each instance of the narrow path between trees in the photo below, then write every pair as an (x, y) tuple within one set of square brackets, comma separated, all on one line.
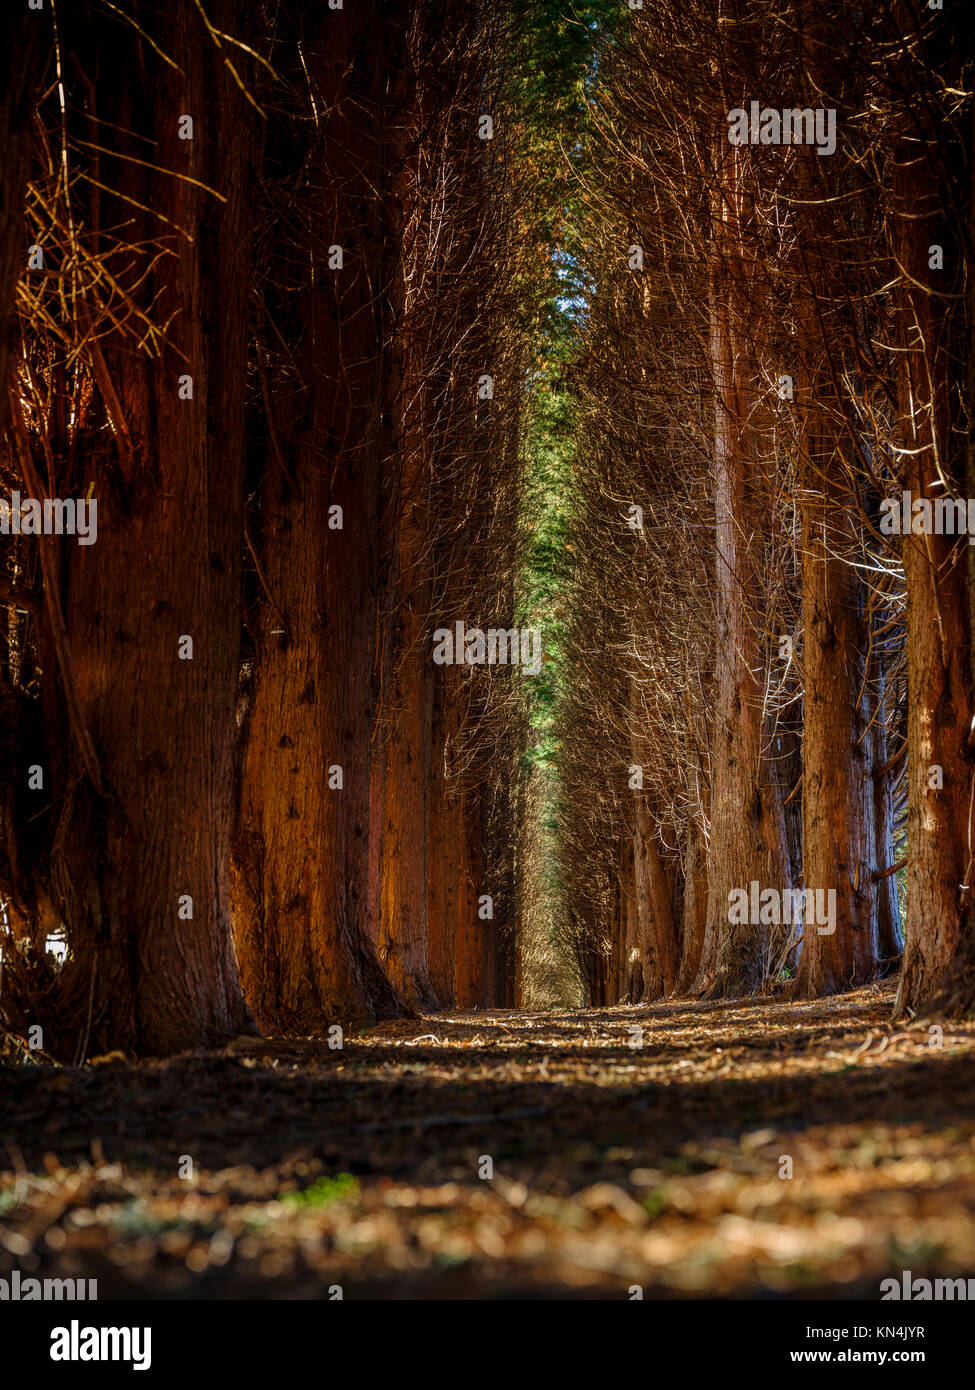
[(663, 1165)]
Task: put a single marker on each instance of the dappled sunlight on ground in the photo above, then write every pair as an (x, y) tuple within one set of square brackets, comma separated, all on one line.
[(613, 1165)]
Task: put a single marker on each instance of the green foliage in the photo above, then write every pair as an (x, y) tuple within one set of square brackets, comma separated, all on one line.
[(555, 57), (655, 1202), (322, 1192), (549, 450)]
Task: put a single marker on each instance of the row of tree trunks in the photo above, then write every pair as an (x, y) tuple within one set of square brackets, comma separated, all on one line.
[(358, 849), (850, 278), (279, 825)]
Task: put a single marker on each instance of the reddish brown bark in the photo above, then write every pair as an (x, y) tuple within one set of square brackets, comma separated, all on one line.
[(630, 976), (939, 839), (19, 71), (654, 895), (128, 869), (747, 828), (401, 920), (457, 932), (838, 805), (301, 851)]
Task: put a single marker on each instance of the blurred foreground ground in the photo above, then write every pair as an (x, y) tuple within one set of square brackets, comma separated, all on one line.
[(612, 1165)]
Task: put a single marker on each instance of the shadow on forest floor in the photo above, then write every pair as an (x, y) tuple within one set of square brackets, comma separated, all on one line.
[(612, 1165)]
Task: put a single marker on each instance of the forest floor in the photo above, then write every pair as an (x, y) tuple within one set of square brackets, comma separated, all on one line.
[(663, 1165)]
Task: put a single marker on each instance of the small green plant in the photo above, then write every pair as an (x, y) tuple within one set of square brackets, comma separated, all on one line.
[(655, 1202), (325, 1190)]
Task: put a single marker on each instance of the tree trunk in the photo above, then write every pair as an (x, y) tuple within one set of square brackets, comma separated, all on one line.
[(142, 873), (301, 849), (838, 810), (19, 71), (890, 938), (939, 837), (747, 839)]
